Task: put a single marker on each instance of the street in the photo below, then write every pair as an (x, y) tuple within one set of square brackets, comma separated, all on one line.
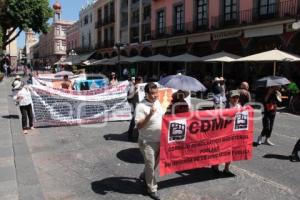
[(93, 162)]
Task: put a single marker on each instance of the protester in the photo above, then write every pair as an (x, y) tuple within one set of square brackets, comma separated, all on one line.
[(233, 103), (294, 157), (149, 120), (223, 86), (23, 99), (219, 98), (113, 79), (271, 98), (5, 67), (133, 99), (66, 84), (245, 96), (178, 103)]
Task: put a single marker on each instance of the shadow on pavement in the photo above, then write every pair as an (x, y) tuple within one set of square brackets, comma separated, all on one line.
[(132, 155), (276, 156), (11, 117), (125, 185), (189, 177), (118, 137)]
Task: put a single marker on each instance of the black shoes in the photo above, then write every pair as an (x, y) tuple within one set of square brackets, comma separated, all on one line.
[(154, 195), (228, 173)]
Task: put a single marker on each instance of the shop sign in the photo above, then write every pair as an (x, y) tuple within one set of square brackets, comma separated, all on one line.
[(178, 41), (199, 38), (264, 31), (226, 34), (159, 43)]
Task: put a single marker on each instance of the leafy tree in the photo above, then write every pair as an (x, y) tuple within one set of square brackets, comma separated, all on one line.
[(21, 15)]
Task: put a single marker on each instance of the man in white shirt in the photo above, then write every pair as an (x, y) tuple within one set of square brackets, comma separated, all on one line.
[(23, 99), (148, 118)]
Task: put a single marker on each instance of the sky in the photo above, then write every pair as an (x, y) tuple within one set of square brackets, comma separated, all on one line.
[(70, 11)]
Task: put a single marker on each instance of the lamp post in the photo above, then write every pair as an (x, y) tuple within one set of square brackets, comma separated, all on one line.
[(119, 46)]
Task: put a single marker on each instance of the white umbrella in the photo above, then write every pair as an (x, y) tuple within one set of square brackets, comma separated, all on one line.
[(270, 56), (221, 57)]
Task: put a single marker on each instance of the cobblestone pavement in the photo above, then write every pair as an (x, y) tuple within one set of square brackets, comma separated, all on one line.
[(92, 162)]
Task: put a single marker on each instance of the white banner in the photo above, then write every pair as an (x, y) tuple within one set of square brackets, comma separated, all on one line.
[(59, 107)]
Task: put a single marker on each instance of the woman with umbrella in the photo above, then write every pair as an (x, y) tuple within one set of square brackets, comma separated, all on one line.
[(270, 99)]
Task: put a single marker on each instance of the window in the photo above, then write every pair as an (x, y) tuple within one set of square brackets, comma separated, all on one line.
[(230, 10), (147, 12), (179, 18), (161, 22), (57, 31), (90, 40), (82, 41), (91, 18), (134, 35), (267, 7), (135, 17), (201, 13), (86, 20)]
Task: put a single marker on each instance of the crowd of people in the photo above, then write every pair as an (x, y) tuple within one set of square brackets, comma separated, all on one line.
[(147, 116)]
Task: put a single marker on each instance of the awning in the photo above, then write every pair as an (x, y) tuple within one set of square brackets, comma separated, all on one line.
[(78, 59), (220, 57), (186, 57), (134, 59), (158, 58)]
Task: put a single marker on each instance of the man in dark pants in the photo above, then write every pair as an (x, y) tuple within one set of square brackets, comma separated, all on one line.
[(295, 154), (133, 99)]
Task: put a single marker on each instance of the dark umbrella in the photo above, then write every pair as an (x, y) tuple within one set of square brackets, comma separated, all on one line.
[(63, 73), (269, 81), (182, 82)]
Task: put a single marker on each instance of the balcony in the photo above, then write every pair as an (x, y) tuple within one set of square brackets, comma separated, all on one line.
[(108, 20), (108, 43), (98, 24), (181, 29), (272, 12)]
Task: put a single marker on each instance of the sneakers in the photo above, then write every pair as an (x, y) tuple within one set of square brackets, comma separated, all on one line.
[(25, 131), (259, 140), (154, 195), (32, 128), (268, 142)]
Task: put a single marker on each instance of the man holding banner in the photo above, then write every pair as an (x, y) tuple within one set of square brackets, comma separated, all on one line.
[(148, 120)]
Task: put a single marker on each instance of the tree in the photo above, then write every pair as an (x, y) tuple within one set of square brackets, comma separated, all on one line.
[(16, 15)]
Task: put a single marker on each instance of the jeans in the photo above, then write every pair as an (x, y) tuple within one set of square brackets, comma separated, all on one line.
[(26, 111), (268, 122)]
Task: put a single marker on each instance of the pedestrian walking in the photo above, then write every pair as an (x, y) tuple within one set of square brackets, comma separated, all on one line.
[(149, 120), (234, 96), (113, 79), (23, 99), (219, 97), (245, 96), (133, 99), (271, 98)]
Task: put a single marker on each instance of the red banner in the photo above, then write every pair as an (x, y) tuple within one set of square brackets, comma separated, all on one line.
[(205, 138)]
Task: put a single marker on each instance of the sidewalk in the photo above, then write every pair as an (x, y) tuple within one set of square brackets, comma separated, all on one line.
[(18, 179)]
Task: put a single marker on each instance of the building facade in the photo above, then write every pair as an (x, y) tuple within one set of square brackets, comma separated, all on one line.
[(242, 27), (87, 27), (53, 45), (12, 53), (30, 40), (73, 37), (105, 27)]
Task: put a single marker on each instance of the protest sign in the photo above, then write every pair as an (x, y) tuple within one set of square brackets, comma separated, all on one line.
[(59, 107), (205, 138)]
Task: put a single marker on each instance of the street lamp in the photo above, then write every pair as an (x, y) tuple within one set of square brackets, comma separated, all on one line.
[(119, 46)]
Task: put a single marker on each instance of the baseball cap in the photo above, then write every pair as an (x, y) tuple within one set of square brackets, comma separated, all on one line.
[(234, 93)]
